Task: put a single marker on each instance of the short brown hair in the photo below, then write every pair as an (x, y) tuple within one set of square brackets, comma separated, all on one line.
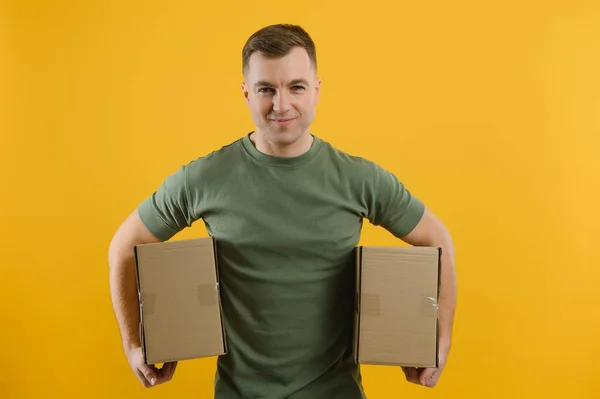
[(276, 41)]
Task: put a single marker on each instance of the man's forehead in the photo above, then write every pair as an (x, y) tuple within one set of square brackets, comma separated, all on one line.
[(295, 65), (295, 54)]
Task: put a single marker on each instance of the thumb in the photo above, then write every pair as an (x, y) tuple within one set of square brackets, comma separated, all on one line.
[(149, 373), (426, 377)]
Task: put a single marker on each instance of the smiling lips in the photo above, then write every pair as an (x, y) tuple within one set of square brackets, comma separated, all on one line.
[(283, 122)]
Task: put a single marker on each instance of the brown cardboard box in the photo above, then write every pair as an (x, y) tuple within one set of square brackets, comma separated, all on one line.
[(396, 318), (180, 308)]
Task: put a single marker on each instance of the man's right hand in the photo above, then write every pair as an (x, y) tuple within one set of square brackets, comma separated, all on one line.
[(149, 375)]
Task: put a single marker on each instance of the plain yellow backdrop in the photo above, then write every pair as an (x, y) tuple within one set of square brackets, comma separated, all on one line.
[(488, 111)]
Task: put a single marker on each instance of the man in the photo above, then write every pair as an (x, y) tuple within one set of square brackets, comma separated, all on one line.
[(286, 209)]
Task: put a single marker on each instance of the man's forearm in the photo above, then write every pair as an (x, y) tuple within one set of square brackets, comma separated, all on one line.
[(432, 233), (447, 299), (124, 295)]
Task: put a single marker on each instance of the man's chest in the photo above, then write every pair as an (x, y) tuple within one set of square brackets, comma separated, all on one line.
[(284, 216)]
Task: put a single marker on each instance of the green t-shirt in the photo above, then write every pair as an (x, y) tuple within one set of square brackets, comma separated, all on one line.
[(285, 229)]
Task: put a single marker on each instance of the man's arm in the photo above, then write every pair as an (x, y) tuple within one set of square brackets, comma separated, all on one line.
[(160, 216), (430, 231), (124, 296), (391, 205), (123, 287)]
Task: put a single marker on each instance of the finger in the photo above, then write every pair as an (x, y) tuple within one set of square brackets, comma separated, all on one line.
[(161, 373), (166, 372), (173, 367), (142, 379), (413, 375), (405, 371), (428, 377), (149, 372)]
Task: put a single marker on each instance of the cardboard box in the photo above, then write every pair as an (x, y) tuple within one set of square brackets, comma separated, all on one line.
[(180, 307), (396, 314)]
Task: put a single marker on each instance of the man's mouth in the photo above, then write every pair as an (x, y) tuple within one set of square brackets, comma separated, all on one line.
[(283, 122)]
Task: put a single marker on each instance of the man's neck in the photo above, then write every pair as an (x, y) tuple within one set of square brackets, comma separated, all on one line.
[(295, 149)]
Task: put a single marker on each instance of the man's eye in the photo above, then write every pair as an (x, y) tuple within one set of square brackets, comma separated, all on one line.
[(297, 88), (265, 90)]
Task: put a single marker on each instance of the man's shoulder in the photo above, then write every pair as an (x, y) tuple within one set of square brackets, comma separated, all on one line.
[(223, 153), (216, 160), (347, 161)]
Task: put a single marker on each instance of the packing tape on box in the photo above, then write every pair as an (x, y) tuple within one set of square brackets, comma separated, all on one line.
[(429, 307), (148, 303), (207, 294), (371, 304)]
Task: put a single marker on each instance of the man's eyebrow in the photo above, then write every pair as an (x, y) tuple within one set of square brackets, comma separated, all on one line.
[(299, 81), (264, 83)]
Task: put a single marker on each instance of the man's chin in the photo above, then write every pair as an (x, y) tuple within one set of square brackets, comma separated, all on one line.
[(284, 136)]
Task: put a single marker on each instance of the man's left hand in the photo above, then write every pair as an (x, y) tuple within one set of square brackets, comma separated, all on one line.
[(428, 377)]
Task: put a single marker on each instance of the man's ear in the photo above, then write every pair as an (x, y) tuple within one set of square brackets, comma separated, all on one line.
[(245, 91), (317, 90)]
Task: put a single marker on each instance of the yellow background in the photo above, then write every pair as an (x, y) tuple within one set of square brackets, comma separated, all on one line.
[(488, 110)]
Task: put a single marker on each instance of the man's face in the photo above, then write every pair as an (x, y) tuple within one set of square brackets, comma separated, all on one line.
[(282, 94)]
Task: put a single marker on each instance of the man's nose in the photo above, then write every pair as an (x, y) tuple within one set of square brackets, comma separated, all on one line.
[(281, 101)]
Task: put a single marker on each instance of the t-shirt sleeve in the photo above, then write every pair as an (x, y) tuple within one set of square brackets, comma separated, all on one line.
[(391, 205), (169, 209)]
